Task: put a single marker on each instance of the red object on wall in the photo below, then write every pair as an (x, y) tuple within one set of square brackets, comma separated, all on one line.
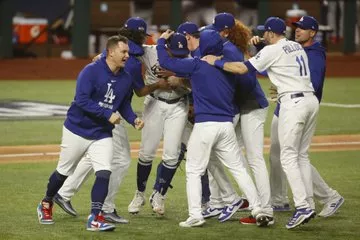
[(26, 29)]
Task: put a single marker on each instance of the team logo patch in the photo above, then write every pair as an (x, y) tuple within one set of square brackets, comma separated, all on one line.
[(180, 45)]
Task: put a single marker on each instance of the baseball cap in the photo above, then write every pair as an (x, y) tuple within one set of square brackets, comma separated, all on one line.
[(307, 22), (177, 45), (137, 24), (223, 21), (273, 24), (188, 27), (210, 43)]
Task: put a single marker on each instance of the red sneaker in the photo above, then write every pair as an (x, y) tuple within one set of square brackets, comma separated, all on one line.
[(44, 211), (244, 206), (248, 220)]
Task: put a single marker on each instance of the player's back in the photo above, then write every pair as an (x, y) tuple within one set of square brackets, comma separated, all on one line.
[(288, 69)]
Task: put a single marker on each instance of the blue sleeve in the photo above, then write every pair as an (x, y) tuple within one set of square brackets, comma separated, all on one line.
[(84, 89), (250, 67), (134, 68), (317, 68), (126, 110), (180, 66), (232, 53), (263, 73), (277, 109)]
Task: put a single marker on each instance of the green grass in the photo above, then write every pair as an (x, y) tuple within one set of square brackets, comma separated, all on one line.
[(20, 195), (331, 120)]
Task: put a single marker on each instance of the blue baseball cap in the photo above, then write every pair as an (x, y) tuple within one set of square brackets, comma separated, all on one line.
[(188, 28), (210, 43), (273, 24), (223, 21), (307, 22), (177, 45), (137, 24)]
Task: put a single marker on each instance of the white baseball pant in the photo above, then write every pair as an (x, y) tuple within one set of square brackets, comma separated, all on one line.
[(219, 138), (322, 191), (297, 121), (119, 167)]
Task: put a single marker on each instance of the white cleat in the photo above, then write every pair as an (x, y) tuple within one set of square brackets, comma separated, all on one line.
[(192, 222), (137, 202), (332, 206), (158, 203)]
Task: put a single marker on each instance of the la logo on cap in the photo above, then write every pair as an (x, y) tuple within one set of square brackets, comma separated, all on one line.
[(301, 19), (141, 28), (180, 45)]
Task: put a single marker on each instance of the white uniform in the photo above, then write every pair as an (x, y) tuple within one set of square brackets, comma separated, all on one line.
[(162, 119), (119, 166), (287, 67)]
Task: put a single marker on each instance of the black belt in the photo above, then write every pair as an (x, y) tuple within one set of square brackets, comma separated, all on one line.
[(168, 101), (296, 95)]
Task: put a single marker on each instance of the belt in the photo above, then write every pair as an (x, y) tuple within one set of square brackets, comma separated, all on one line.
[(294, 95), (168, 101)]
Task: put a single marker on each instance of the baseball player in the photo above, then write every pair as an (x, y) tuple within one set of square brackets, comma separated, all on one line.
[(252, 103), (287, 67), (135, 30), (102, 88), (213, 131), (166, 114), (305, 32)]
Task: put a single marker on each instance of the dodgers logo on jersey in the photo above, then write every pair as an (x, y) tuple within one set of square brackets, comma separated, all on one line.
[(109, 96)]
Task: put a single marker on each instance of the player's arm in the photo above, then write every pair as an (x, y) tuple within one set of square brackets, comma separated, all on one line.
[(126, 110), (147, 89), (84, 89), (179, 66), (317, 67)]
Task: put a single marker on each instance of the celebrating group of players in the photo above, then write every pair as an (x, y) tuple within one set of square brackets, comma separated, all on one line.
[(211, 69)]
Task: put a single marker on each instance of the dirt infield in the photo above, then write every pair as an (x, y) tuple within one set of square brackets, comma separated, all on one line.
[(41, 153), (58, 69)]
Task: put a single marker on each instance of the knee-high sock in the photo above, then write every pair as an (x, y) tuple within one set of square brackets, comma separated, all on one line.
[(205, 188), (56, 180), (166, 175), (99, 191), (143, 172)]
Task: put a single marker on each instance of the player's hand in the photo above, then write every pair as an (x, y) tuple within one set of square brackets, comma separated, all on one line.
[(210, 59), (175, 82), (167, 34), (164, 73), (139, 124), (256, 40), (163, 84), (96, 57), (115, 118), (273, 93)]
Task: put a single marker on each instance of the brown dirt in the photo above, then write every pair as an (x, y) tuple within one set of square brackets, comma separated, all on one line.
[(48, 153)]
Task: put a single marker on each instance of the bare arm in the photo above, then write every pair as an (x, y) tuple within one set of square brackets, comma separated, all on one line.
[(233, 67), (161, 84)]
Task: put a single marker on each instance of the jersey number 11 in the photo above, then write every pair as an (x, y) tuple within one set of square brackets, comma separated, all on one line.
[(301, 62)]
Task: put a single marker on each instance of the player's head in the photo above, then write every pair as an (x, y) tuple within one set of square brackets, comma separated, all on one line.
[(135, 30), (240, 36), (274, 29), (117, 50), (191, 31), (222, 23), (177, 45), (306, 29), (211, 43)]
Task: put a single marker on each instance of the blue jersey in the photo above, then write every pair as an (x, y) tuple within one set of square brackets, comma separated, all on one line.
[(317, 66), (213, 90), (99, 93), (248, 93)]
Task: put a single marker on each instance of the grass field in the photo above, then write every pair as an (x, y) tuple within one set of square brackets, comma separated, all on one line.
[(331, 120), (23, 185)]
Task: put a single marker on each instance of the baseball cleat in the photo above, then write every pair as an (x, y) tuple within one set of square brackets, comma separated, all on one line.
[(211, 212), (300, 216), (158, 203), (230, 210), (192, 222), (248, 220), (137, 202), (244, 206), (264, 220), (44, 211), (65, 205), (113, 217), (97, 223), (332, 206)]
